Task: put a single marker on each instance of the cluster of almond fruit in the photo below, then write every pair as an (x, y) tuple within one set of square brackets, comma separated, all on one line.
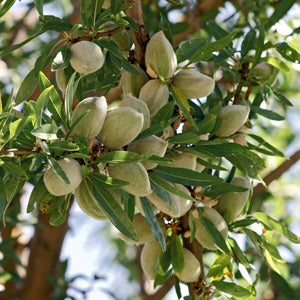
[(116, 129)]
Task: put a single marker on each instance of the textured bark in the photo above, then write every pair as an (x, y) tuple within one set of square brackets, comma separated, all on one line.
[(45, 250)]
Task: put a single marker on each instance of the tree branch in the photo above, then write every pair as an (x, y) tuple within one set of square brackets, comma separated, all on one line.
[(45, 250), (141, 37), (276, 173)]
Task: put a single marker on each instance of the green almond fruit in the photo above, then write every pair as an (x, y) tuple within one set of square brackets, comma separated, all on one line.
[(160, 57), (178, 205), (55, 185), (131, 83), (86, 57), (194, 84), (262, 71), (232, 118), (130, 101), (231, 204), (91, 124), (150, 258), (151, 145), (184, 160), (61, 80), (121, 126), (191, 269), (135, 174), (155, 94)]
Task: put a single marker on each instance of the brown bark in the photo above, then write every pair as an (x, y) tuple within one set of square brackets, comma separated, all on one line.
[(45, 250)]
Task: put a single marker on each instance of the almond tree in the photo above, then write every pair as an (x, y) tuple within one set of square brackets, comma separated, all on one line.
[(164, 129)]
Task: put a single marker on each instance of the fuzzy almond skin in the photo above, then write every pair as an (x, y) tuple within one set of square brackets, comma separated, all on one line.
[(184, 160), (130, 101), (149, 258), (232, 118), (142, 229), (263, 71), (86, 57), (135, 174), (91, 124), (191, 270), (55, 185), (178, 206), (155, 94), (202, 236), (160, 57), (87, 202), (61, 80), (132, 84), (121, 126), (194, 84), (150, 145), (230, 205)]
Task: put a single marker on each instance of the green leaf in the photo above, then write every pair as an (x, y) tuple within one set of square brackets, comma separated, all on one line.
[(210, 165), (218, 189), (2, 198), (27, 87), (232, 289), (46, 132), (207, 124), (153, 223), (57, 169), (288, 52), (38, 195), (177, 256), (281, 9), (269, 114), (5, 51), (189, 48), (238, 253), (165, 113), (183, 104), (59, 215), (219, 265), (259, 43), (248, 42), (120, 157), (169, 187), (50, 22), (6, 7), (192, 225), (114, 212), (273, 251), (62, 146), (70, 93), (186, 176), (160, 192), (206, 52), (184, 138), (278, 226), (61, 61), (107, 181), (41, 103), (215, 235), (39, 6), (129, 205), (54, 104), (283, 99), (14, 169)]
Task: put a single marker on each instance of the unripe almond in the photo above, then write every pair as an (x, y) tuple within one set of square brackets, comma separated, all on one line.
[(149, 258), (86, 57), (232, 118), (135, 174), (152, 145), (142, 229), (131, 83), (61, 80), (167, 132), (194, 84), (91, 124), (140, 209), (184, 160), (201, 235), (178, 205), (262, 71), (138, 105), (155, 94), (55, 185), (191, 269), (160, 57), (121, 126), (87, 202), (122, 40), (231, 204)]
